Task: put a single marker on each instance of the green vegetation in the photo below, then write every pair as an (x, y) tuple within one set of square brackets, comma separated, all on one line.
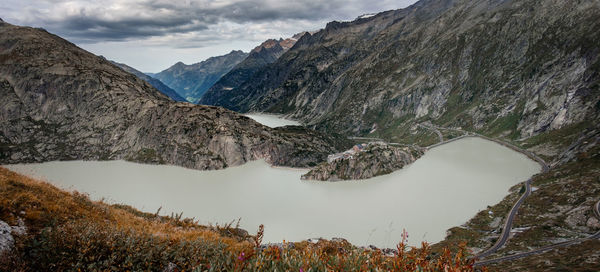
[(559, 137), (507, 124), (455, 111), (403, 130)]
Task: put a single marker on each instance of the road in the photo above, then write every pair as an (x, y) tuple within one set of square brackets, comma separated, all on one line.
[(366, 138), (427, 126), (546, 248), (507, 224), (435, 129), (451, 140), (513, 212)]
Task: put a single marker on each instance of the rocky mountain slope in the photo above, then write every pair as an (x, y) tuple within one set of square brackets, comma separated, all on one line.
[(153, 81), (192, 81), (374, 160), (266, 53), (59, 102)]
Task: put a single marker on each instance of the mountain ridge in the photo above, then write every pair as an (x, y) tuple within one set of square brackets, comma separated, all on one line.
[(265, 53), (192, 81)]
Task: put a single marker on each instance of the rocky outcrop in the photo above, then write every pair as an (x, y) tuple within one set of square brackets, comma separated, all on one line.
[(59, 102), (264, 54), (7, 234), (373, 160), (153, 81), (6, 239), (192, 81)]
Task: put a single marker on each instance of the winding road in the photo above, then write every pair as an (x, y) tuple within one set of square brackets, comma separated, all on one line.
[(507, 224), (545, 248)]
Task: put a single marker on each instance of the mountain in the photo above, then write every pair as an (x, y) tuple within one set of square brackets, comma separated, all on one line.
[(191, 81), (153, 81), (60, 102), (266, 53), (515, 68)]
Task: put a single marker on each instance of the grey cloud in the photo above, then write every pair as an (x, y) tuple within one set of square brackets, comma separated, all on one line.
[(90, 28), (153, 34), (93, 23), (251, 11)]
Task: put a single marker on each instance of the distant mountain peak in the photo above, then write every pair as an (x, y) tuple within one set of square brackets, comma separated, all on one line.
[(270, 43), (285, 44)]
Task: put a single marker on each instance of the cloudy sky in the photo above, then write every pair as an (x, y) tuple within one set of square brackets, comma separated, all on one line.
[(151, 35)]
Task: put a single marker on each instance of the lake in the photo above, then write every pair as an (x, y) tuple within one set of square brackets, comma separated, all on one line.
[(272, 120), (444, 188)]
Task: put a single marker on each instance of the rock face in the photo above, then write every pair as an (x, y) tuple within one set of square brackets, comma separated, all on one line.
[(59, 102), (153, 81), (192, 81), (513, 68), (374, 160), (264, 54)]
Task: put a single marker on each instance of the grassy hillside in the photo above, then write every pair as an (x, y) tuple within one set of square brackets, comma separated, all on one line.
[(69, 232)]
